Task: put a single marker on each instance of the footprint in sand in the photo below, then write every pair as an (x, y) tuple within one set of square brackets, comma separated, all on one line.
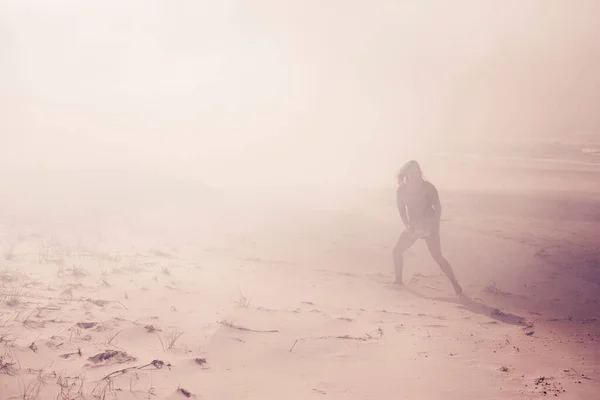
[(379, 278)]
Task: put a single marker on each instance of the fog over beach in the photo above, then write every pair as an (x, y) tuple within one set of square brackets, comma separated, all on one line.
[(199, 199)]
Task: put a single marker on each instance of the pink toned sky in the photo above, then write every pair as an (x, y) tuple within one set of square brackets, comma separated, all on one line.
[(302, 91)]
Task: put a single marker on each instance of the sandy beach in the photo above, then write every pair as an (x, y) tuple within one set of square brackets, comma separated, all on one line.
[(198, 199), (269, 300)]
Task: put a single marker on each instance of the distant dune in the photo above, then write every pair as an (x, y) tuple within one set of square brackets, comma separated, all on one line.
[(592, 152), (567, 150)]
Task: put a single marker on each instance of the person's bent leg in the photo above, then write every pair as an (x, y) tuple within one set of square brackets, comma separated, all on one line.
[(405, 240), (435, 248)]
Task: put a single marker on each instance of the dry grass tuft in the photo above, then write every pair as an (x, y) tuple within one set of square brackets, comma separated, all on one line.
[(111, 336), (104, 387), (29, 323), (232, 325), (13, 298), (6, 339), (243, 302), (31, 390), (104, 278), (67, 294), (7, 364), (169, 343), (78, 271), (71, 388)]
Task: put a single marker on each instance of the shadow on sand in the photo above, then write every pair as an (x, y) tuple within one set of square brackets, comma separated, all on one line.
[(476, 307)]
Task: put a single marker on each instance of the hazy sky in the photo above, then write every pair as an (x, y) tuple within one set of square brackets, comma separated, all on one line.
[(300, 91)]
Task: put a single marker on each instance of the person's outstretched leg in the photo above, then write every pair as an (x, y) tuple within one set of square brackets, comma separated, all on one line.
[(435, 248), (405, 240)]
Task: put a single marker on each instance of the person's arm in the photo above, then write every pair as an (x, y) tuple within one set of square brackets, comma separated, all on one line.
[(435, 202), (402, 209), (404, 216)]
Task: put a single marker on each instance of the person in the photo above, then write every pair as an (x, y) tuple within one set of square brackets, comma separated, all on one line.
[(420, 210)]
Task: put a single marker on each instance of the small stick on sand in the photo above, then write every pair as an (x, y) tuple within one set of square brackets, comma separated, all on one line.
[(242, 328), (119, 372), (294, 345), (77, 353), (158, 364)]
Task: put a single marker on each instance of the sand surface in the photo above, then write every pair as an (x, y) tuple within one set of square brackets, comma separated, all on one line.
[(272, 301)]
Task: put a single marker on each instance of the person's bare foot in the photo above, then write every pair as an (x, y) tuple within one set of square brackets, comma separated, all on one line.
[(457, 288)]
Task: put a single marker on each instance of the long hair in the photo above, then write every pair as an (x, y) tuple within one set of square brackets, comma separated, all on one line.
[(402, 174)]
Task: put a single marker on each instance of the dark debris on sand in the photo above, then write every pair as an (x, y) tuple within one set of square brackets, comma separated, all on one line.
[(87, 325), (184, 392), (68, 355), (547, 386), (112, 356)]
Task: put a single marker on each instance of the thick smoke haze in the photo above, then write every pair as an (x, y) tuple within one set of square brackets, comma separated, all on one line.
[(281, 93)]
